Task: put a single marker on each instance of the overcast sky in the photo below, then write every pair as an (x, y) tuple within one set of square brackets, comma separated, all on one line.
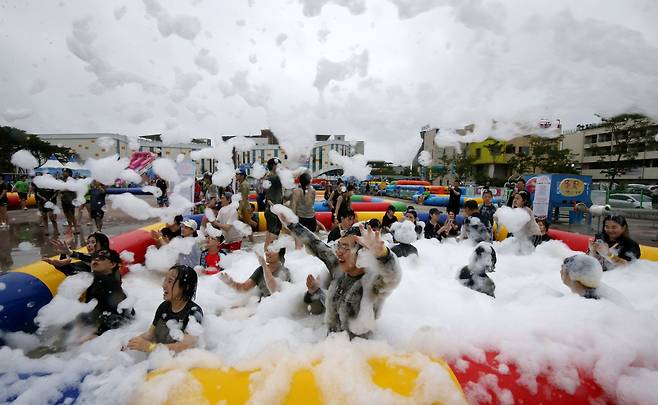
[(373, 70)]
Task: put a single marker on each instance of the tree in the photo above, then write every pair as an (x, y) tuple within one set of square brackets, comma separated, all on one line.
[(13, 139), (520, 163), (462, 164), (632, 134), (496, 148), (545, 155)]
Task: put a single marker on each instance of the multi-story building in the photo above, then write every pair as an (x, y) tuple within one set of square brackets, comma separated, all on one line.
[(267, 147), (592, 146), (491, 158), (440, 171), (100, 145)]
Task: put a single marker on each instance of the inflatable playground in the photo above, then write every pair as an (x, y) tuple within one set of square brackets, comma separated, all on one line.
[(422, 192), (304, 375)]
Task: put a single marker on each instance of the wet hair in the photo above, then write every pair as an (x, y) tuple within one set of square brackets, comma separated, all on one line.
[(545, 222), (374, 223), (353, 231), (346, 214), (167, 233), (178, 219), (410, 208), (525, 197), (620, 219), (304, 181), (101, 239), (68, 171), (487, 191), (187, 281), (350, 188), (110, 255), (584, 269), (391, 208), (434, 211), (520, 179), (471, 205), (271, 164), (412, 212)]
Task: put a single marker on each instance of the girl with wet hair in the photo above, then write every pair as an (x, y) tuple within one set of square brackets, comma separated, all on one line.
[(171, 320), (96, 242), (613, 246)]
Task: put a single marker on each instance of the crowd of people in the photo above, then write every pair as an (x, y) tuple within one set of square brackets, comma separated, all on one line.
[(362, 258)]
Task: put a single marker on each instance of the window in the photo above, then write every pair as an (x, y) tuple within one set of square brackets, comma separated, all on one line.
[(509, 149), (478, 153), (95, 154), (79, 145), (93, 141), (87, 147), (524, 149)]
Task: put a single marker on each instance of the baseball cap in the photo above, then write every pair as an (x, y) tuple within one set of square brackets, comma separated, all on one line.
[(190, 223)]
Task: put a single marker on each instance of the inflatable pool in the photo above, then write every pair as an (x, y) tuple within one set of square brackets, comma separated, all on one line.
[(13, 202), (322, 206)]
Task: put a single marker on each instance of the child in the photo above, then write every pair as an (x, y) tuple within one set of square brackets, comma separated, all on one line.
[(210, 257)]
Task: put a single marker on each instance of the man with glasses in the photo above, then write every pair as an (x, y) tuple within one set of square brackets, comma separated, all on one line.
[(356, 294)]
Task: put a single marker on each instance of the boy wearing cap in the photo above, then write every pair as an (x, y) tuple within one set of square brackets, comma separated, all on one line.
[(193, 258)]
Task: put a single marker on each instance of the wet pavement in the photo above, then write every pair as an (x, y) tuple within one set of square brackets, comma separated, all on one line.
[(25, 242)]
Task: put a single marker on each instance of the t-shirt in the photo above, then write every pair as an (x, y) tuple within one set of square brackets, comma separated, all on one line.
[(67, 197), (625, 248), (97, 198), (432, 231), (275, 192), (282, 273), (387, 222), (453, 201), (244, 192), (106, 289), (227, 215), (167, 321), (210, 259), (487, 213), (21, 186), (334, 234), (404, 250)]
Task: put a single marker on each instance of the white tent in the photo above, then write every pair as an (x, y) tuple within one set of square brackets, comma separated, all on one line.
[(52, 163)]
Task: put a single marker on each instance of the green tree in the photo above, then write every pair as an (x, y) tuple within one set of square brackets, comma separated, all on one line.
[(520, 163), (632, 134), (545, 155), (14, 139), (462, 164), (495, 148)]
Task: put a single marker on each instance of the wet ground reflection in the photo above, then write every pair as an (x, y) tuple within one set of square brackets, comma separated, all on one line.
[(25, 242)]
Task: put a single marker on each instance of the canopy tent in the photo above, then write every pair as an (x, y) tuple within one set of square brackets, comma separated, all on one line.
[(77, 169), (52, 165)]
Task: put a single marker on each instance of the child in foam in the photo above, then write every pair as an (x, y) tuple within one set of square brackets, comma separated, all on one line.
[(210, 257), (613, 246), (267, 277), (179, 289), (582, 274)]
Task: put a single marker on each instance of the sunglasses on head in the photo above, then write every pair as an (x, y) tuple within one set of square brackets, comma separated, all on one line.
[(102, 255)]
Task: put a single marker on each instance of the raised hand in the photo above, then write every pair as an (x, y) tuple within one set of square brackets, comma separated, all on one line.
[(312, 283), (61, 246), (372, 241)]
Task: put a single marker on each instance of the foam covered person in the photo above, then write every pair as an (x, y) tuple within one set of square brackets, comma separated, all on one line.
[(359, 285), (267, 277), (172, 318)]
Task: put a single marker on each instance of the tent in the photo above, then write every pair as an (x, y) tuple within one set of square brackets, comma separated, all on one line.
[(77, 169), (51, 166)]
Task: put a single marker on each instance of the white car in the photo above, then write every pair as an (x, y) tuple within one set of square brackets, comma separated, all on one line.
[(629, 201)]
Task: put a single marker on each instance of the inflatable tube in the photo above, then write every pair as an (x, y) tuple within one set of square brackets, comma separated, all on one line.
[(322, 206), (131, 190), (13, 202), (442, 200), (365, 198), (231, 386), (575, 241), (27, 289), (412, 183), (472, 372)]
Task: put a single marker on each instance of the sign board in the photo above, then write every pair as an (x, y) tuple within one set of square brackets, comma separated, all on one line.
[(542, 196), (186, 170)]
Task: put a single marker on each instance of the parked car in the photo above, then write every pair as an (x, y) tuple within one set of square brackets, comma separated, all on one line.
[(629, 201)]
